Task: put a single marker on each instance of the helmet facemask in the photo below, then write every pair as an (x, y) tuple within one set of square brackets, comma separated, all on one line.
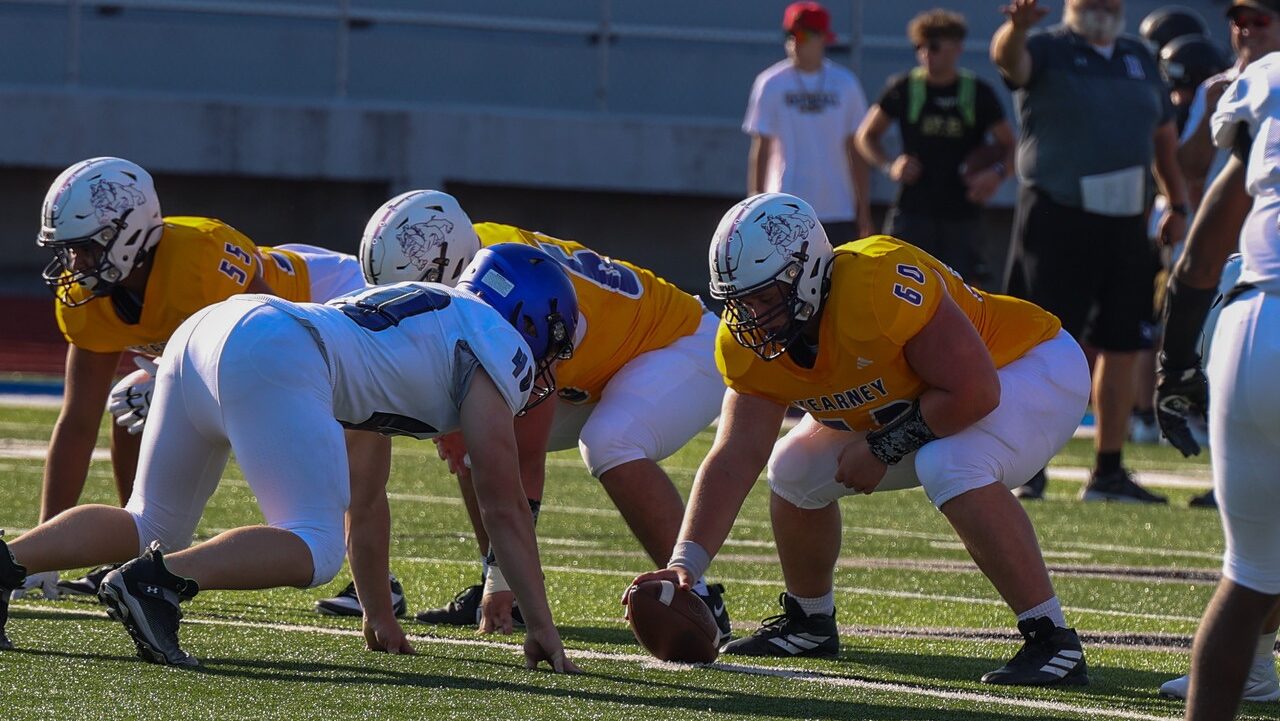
[(559, 347), (63, 277), (769, 317)]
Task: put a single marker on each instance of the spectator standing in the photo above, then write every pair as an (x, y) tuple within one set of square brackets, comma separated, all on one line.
[(802, 117), (1094, 116), (943, 113)]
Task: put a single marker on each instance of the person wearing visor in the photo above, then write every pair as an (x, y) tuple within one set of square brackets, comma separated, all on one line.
[(125, 277), (641, 384), (909, 378), (803, 116), (277, 383)]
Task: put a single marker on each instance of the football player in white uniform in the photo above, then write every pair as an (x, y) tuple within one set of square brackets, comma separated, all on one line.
[(277, 382), (641, 384), (1243, 204)]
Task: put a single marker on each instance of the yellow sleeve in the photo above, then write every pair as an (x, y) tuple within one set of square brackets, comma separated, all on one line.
[(738, 367), (905, 293)]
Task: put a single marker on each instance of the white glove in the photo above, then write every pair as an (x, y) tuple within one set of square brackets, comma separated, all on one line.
[(43, 584), (131, 397)]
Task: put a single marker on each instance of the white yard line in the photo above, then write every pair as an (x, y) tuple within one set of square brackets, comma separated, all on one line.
[(791, 674)]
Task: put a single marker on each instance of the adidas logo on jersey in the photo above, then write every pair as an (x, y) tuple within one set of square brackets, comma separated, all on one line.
[(863, 362)]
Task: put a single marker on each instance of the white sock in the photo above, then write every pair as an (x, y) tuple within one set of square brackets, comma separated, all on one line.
[(1051, 608), (824, 605), (700, 587), (1266, 648)]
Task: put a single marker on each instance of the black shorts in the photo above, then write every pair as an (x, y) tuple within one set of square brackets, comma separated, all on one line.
[(958, 243), (1095, 272)]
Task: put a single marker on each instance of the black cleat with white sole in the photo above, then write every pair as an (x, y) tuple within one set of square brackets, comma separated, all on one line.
[(1051, 656), (714, 598), (347, 603), (11, 577), (792, 634), (463, 610), (144, 596)]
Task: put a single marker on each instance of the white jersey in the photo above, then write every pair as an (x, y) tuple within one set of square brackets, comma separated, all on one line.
[(401, 357), (1253, 101), (811, 117)]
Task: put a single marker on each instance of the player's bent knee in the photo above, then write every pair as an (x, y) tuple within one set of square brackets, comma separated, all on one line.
[(604, 449), (327, 548), (793, 484), (944, 475), (150, 530)]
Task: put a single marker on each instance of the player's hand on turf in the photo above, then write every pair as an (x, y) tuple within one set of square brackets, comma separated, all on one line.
[(386, 636), (495, 612), (545, 645), (45, 585), (859, 468), (1024, 13), (453, 450), (676, 574), (1181, 394)]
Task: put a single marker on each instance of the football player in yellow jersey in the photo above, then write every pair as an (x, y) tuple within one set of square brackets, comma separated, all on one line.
[(641, 383), (909, 378), (125, 278)]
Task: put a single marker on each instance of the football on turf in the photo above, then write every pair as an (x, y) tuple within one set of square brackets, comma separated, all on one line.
[(981, 158), (672, 624)]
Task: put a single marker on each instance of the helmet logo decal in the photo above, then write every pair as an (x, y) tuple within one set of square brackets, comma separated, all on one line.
[(420, 239), (786, 229), (111, 199)]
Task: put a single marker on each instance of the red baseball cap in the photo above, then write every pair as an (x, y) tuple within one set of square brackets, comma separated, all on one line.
[(808, 16)]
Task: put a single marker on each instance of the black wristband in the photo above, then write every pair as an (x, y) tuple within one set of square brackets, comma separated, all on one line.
[(1185, 309), (901, 436), (1179, 209)]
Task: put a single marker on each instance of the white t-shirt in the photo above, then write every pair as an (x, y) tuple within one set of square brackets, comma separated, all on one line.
[(1253, 101), (402, 356), (810, 116)]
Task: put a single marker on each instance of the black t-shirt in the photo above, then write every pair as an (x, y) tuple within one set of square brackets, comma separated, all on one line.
[(940, 139)]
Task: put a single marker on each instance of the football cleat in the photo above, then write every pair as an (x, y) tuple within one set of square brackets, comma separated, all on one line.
[(347, 603), (715, 601), (463, 610), (144, 596), (1032, 490), (1118, 486), (1051, 656), (11, 576), (791, 633), (1260, 687), (88, 584)]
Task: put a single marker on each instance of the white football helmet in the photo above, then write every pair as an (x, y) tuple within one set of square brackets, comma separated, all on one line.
[(770, 263), (101, 217), (421, 235)]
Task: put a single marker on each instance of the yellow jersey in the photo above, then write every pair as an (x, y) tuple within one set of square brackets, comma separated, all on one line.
[(883, 292), (198, 261), (628, 310)]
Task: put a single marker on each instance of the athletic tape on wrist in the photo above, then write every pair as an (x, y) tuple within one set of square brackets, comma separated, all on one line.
[(494, 581), (691, 557), (901, 436)]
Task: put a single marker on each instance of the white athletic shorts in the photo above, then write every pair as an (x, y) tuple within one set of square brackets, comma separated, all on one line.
[(650, 408), (247, 378), (332, 274), (1244, 438), (1043, 395)]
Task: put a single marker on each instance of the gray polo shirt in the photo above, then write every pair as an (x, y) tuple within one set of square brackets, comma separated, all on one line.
[(1084, 114)]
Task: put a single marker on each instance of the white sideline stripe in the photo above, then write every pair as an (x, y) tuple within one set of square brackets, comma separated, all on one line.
[(647, 661), (855, 590), (1162, 479), (957, 546)]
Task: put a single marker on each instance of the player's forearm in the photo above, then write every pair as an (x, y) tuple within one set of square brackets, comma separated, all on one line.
[(1165, 166), (368, 549), (721, 487), (510, 527), (1196, 155), (861, 183), (70, 450)]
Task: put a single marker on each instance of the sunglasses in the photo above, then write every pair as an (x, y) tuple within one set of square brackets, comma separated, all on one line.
[(932, 46), (1251, 20)]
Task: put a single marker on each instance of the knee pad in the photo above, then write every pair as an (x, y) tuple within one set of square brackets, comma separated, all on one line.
[(605, 445), (328, 549), (946, 472), (793, 478), (150, 530)]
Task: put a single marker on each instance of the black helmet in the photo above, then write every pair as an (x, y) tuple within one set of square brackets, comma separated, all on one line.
[(1190, 60), (1169, 22)]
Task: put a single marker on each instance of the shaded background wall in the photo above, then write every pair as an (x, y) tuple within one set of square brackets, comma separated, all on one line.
[(614, 122)]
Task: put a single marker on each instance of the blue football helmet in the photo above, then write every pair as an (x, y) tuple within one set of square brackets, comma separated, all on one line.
[(533, 292)]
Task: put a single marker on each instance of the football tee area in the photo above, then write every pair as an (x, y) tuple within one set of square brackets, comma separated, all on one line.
[(919, 623)]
